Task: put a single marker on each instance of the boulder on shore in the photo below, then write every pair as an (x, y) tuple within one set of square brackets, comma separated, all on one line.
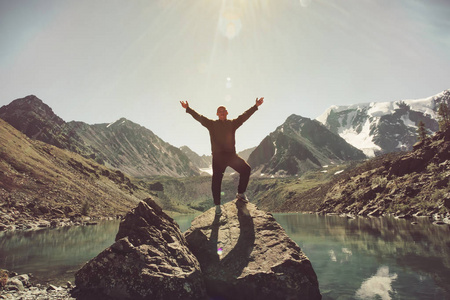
[(149, 260), (246, 254)]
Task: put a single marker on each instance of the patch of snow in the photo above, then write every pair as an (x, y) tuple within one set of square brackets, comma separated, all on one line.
[(112, 123), (362, 140), (401, 146), (338, 172), (207, 170), (107, 126), (374, 111), (407, 121), (378, 109), (323, 117)]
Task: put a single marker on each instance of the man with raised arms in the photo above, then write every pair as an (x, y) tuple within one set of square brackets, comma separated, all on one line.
[(222, 135)]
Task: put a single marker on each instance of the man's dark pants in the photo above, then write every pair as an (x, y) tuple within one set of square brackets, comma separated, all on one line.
[(220, 162)]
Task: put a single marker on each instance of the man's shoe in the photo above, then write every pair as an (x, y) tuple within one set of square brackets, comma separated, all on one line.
[(242, 197), (218, 210)]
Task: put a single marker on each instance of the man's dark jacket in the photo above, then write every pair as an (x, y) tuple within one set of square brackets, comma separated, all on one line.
[(222, 133)]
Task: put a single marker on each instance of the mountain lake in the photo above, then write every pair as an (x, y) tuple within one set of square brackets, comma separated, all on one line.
[(362, 258)]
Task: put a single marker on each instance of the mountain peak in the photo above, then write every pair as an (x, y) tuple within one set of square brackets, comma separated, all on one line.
[(117, 122), (28, 104), (382, 127), (122, 144), (298, 145), (33, 117), (296, 118)]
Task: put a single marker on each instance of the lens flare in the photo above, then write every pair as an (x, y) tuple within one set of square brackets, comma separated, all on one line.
[(219, 251), (305, 3), (229, 85), (230, 23)]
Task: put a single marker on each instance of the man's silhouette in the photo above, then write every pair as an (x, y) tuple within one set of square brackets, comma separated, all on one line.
[(222, 135)]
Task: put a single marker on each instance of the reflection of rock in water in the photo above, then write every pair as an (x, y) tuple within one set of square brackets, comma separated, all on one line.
[(378, 285)]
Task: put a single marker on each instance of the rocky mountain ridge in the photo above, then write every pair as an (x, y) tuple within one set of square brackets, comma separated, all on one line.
[(403, 184), (122, 145), (383, 127), (41, 184), (298, 145)]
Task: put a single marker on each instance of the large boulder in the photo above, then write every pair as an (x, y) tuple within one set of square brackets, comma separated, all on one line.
[(149, 260), (246, 254)]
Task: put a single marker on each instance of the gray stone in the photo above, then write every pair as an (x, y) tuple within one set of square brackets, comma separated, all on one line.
[(246, 254), (14, 284), (149, 260)]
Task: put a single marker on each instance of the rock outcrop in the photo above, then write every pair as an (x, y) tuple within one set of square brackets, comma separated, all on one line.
[(415, 183), (149, 260), (243, 254), (246, 254)]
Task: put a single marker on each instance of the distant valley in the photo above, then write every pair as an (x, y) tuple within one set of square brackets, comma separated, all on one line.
[(69, 170)]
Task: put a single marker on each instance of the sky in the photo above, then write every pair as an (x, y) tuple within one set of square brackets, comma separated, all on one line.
[(96, 61)]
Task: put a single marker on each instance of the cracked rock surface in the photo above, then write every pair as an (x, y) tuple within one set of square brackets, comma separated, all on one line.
[(149, 260), (246, 254)]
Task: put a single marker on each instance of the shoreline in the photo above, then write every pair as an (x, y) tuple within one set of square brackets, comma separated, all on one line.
[(40, 224), (60, 285), (24, 287)]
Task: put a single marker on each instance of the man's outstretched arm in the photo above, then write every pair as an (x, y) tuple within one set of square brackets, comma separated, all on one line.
[(203, 120), (247, 114)]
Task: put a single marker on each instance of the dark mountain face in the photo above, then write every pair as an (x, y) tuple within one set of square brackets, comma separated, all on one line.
[(123, 144), (37, 120), (199, 161), (44, 182), (134, 149), (300, 144)]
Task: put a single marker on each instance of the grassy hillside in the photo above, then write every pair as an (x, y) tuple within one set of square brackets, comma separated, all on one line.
[(271, 194), (40, 182)]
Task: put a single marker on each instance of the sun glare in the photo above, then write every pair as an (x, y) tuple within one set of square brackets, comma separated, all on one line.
[(230, 23)]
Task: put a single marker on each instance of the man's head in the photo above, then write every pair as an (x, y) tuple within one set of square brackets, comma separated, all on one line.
[(222, 113)]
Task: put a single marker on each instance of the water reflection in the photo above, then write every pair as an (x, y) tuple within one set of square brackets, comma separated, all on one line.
[(354, 259), (379, 258), (54, 253), (378, 285)]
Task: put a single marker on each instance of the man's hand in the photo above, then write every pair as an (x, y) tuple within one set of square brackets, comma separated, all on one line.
[(185, 104), (259, 101)]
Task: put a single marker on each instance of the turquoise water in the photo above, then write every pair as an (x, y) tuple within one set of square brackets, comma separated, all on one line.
[(375, 258), (380, 258)]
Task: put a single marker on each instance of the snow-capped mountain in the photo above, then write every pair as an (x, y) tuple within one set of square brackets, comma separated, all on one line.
[(381, 127)]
